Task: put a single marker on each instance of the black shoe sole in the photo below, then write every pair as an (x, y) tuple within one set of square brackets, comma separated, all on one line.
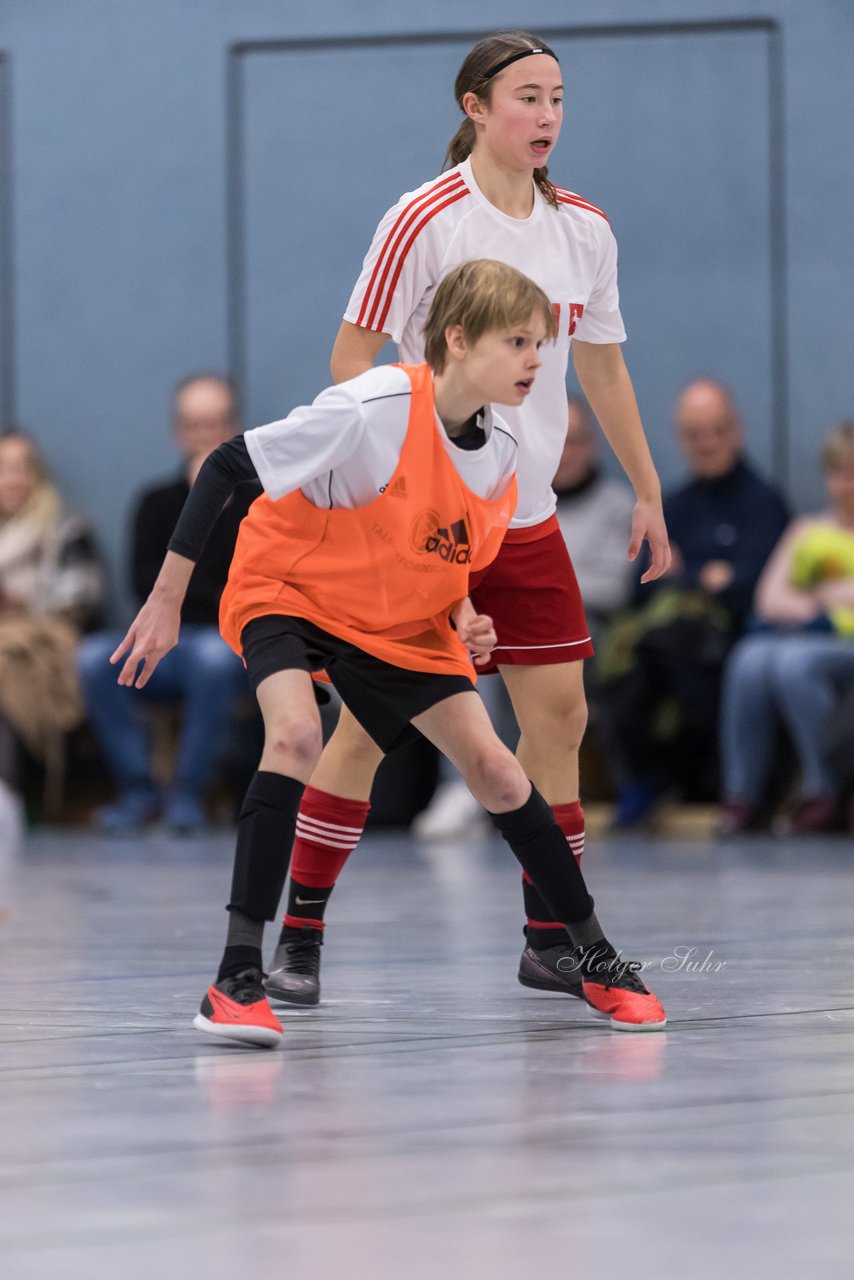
[(541, 984), (292, 997)]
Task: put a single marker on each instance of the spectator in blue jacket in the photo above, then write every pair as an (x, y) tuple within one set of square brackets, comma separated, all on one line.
[(666, 658)]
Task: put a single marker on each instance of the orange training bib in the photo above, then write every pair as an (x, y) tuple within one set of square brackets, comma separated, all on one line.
[(384, 576)]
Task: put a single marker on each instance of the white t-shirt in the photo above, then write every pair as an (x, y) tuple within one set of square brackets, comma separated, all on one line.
[(342, 450), (570, 252)]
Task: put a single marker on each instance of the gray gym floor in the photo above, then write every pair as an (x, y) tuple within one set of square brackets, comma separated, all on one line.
[(431, 1119)]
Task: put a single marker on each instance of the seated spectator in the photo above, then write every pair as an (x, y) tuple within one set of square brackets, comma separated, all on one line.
[(201, 673), (595, 517), (800, 664), (663, 660), (51, 589)]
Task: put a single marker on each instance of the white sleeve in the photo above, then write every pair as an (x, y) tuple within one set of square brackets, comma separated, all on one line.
[(508, 457), (398, 271), (309, 442), (601, 321)]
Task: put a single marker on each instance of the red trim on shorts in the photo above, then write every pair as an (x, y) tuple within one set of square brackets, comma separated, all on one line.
[(531, 593), (533, 532)]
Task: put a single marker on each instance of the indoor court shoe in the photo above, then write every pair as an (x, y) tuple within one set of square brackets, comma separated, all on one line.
[(295, 972), (614, 991), (452, 812), (236, 1009), (135, 808), (636, 803), (737, 818), (184, 813), (816, 816), (552, 969)]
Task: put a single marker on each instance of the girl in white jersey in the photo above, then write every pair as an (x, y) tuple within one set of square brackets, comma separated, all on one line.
[(496, 201)]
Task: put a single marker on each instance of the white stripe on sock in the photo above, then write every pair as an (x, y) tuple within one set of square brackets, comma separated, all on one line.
[(334, 827), (315, 838)]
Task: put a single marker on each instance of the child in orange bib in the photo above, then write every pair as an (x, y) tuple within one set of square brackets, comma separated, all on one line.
[(388, 573), (380, 498)]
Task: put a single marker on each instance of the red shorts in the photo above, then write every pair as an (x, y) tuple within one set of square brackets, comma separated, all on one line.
[(531, 593)]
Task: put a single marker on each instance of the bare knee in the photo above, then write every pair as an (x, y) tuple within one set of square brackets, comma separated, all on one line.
[(497, 780), (294, 741), (557, 728), (573, 723)]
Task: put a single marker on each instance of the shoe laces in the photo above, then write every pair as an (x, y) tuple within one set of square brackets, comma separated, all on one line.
[(245, 987), (303, 956), (610, 970), (627, 979)]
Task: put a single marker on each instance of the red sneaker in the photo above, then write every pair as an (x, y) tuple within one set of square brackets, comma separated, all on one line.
[(237, 1009), (614, 991)]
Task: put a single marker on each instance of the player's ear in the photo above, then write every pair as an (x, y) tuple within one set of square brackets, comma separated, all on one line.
[(473, 107), (455, 341)]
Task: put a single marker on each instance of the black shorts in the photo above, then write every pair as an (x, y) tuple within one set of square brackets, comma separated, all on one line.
[(383, 698)]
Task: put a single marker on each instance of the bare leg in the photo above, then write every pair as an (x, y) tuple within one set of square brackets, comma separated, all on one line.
[(292, 738), (349, 761), (551, 709), (461, 729)]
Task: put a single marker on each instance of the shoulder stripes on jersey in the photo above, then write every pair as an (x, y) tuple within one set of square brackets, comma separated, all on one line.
[(410, 222), (569, 197)]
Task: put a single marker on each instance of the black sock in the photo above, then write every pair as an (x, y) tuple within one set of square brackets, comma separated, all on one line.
[(236, 958), (265, 835), (306, 903), (540, 846), (550, 935)]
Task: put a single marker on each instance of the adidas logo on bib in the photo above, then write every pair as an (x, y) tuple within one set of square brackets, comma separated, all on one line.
[(451, 544)]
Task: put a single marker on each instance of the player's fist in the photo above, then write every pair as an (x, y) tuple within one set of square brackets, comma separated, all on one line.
[(475, 630)]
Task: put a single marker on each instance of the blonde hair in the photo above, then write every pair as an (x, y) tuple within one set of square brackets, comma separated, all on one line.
[(43, 505), (839, 446), (475, 76), (481, 296)]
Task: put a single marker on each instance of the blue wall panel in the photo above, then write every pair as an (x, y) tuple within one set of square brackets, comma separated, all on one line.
[(684, 178), (7, 264), (120, 205)]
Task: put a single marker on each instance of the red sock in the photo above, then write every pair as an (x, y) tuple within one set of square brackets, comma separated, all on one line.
[(541, 929), (328, 830), (570, 819)]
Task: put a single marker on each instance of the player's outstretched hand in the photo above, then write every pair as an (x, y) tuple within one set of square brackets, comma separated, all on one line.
[(648, 525), (153, 632), (475, 630)]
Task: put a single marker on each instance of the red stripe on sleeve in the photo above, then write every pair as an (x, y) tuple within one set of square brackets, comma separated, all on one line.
[(568, 197), (452, 199), (398, 230)]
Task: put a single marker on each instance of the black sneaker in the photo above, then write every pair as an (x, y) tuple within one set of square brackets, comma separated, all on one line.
[(295, 972), (237, 1009), (552, 969)]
